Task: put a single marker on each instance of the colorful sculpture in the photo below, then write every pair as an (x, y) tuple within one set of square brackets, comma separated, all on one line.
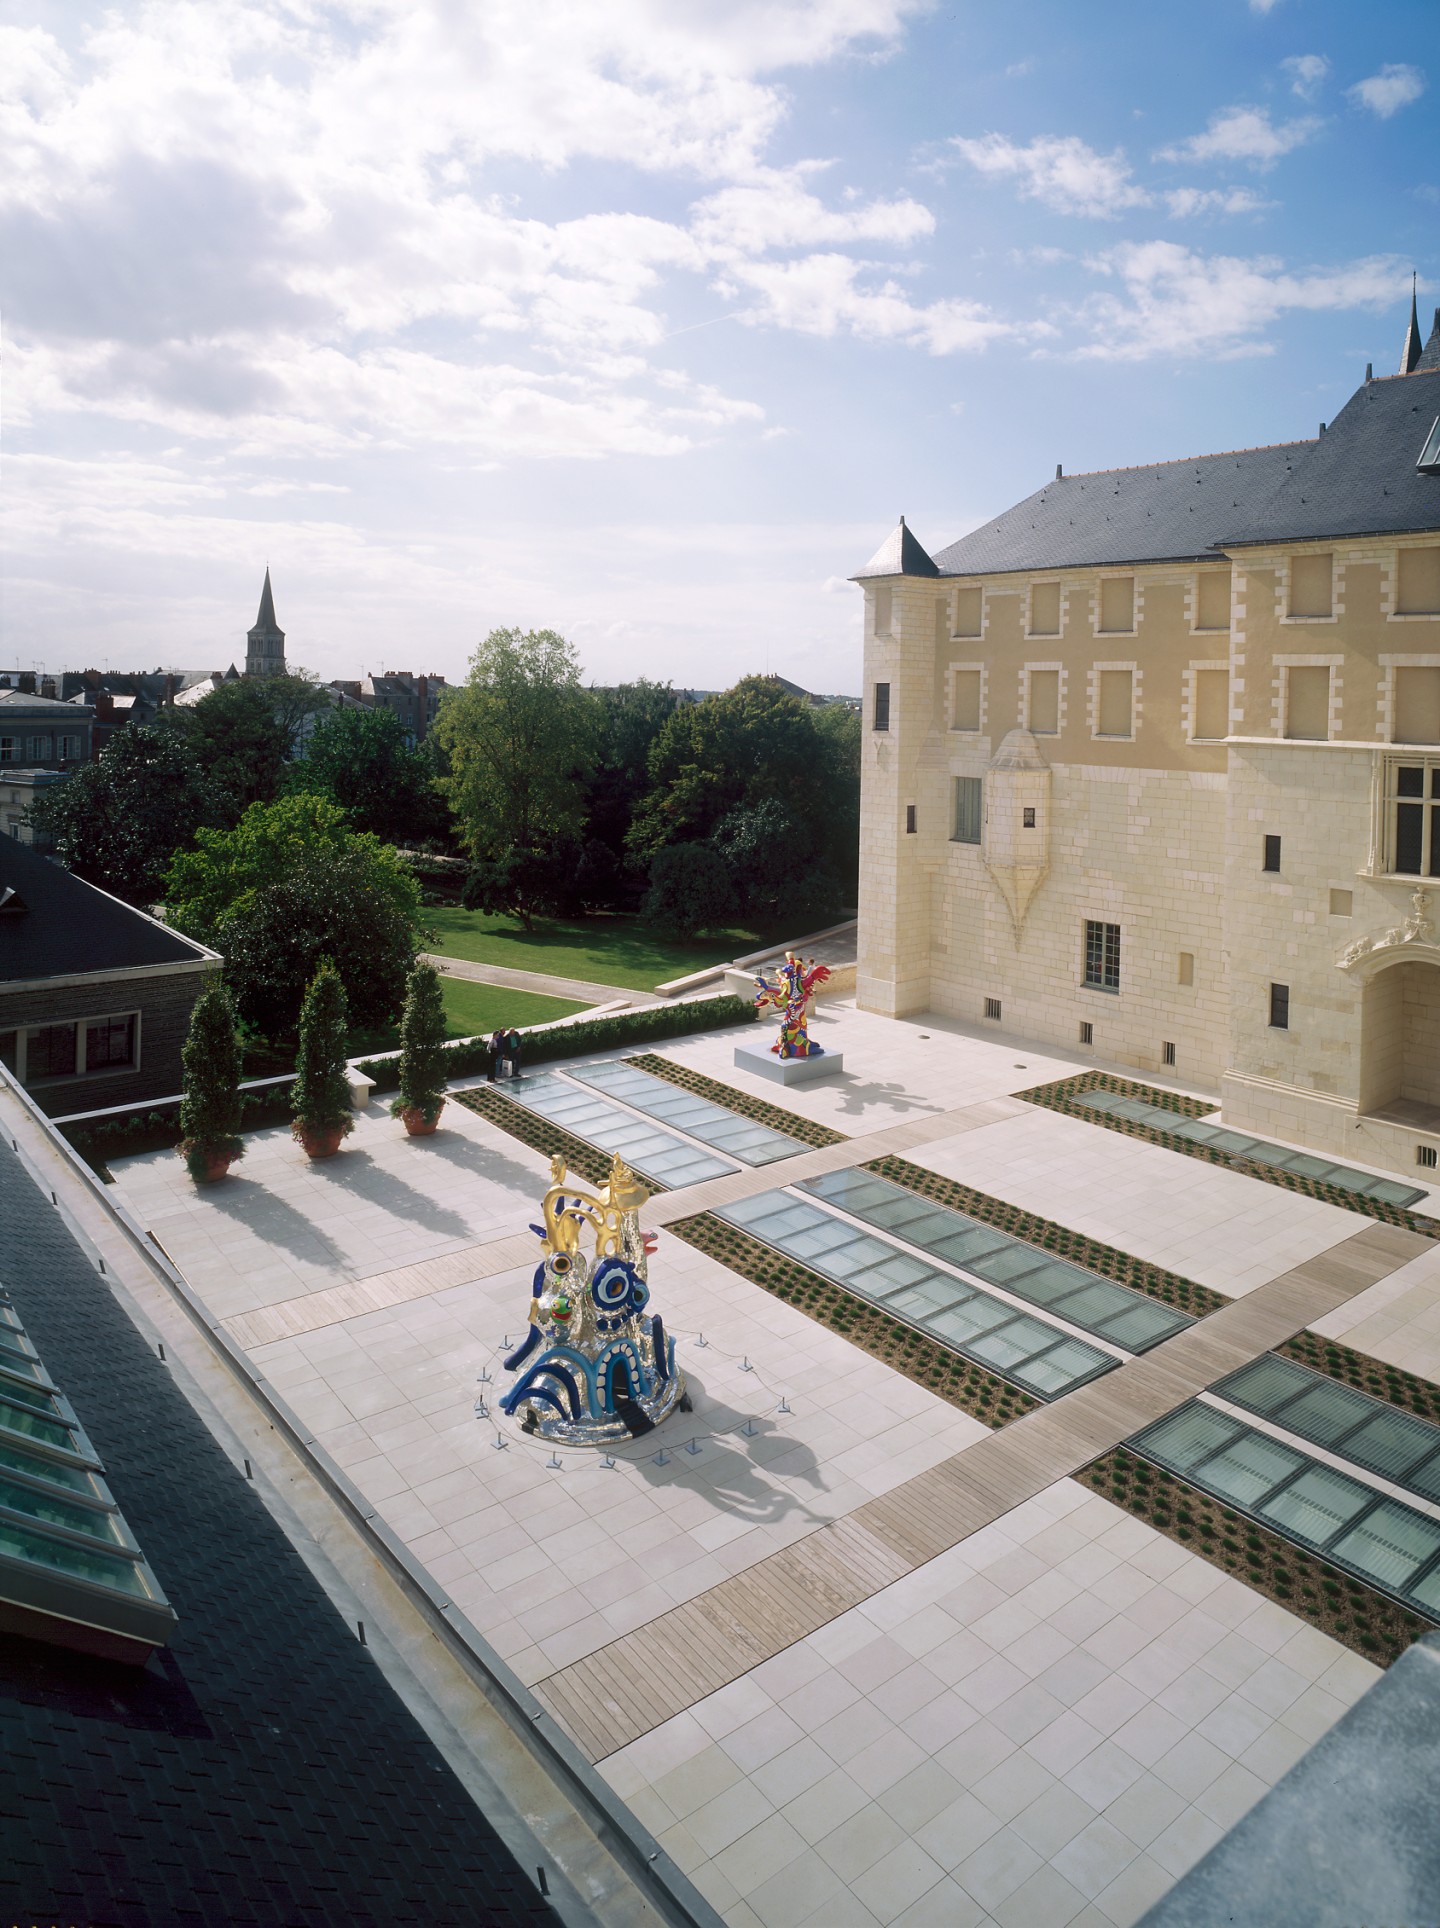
[(595, 1366), (792, 989)]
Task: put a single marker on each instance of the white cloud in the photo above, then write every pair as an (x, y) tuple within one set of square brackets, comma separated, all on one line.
[(1186, 203), (1307, 73), (1385, 93), (776, 210), (1174, 301), (1243, 134), (821, 294), (1059, 170), (1263, 6)]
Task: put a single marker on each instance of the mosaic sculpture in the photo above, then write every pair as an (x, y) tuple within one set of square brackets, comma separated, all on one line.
[(595, 1367), (790, 991)]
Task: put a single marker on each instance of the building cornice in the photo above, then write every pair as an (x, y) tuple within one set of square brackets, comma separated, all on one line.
[(211, 961)]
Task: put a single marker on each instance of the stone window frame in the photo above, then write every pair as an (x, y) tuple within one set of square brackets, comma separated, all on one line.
[(1280, 690), (1062, 698), (81, 1024), (1190, 695), (1092, 706), (951, 673), (952, 601), (1389, 663), (1044, 582), (1384, 834), (882, 599), (1390, 588), (1337, 585), (1137, 598), (1192, 603)]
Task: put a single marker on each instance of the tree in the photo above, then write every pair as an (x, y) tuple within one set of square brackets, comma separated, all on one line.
[(773, 864), (628, 719), (689, 890), (233, 736), (290, 885), (517, 735), (210, 1108), (116, 822), (422, 1047), (320, 1096), (362, 760), (524, 882)]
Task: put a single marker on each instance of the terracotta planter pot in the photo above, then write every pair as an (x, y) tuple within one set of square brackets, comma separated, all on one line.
[(216, 1166), (415, 1122), (323, 1143)]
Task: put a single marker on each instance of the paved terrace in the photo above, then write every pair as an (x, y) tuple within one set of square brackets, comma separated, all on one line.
[(854, 1658)]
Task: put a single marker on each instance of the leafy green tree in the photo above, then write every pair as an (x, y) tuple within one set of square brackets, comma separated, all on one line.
[(363, 760), (320, 1096), (290, 885), (233, 735), (689, 890), (422, 1046), (517, 736), (627, 719), (525, 883), (210, 1108), (774, 865), (116, 822)]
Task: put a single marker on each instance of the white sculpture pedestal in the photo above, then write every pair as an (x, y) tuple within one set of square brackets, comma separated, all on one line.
[(787, 1071)]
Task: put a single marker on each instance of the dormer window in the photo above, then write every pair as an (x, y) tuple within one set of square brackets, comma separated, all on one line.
[(1429, 462)]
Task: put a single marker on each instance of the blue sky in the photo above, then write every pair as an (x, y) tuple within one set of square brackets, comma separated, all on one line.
[(644, 320)]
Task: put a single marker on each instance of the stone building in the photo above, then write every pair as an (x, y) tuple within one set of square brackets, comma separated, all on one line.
[(41, 742), (1152, 769), (265, 643)]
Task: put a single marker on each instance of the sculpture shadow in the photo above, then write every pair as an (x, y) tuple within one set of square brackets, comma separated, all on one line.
[(857, 1098), (357, 1172), (482, 1161), (726, 1467), (270, 1218)]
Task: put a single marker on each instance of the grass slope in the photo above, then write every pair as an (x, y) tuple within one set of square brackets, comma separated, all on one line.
[(601, 950)]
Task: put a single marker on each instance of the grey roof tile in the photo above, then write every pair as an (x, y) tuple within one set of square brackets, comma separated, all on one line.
[(68, 926)]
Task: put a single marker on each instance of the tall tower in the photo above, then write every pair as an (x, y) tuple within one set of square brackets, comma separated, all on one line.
[(265, 643)]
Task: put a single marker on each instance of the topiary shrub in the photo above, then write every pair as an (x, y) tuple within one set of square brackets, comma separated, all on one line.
[(320, 1096), (422, 1048), (210, 1109)]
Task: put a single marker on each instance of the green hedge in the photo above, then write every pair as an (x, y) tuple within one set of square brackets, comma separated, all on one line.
[(586, 1035), (159, 1128)]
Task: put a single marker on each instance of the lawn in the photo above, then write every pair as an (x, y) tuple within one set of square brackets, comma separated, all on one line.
[(470, 1011), (603, 949)]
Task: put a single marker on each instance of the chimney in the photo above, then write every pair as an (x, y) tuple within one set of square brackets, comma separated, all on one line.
[(27, 682)]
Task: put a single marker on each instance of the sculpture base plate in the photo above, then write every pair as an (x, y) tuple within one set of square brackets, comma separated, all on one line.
[(787, 1071)]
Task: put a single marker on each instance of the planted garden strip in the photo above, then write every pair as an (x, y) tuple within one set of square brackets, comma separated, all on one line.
[(1153, 1280), (982, 1394), (1060, 1096), (1350, 1612), (1396, 1387), (793, 1126), (540, 1134)]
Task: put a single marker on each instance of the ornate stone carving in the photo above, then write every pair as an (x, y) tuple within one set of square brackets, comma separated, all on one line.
[(1417, 932)]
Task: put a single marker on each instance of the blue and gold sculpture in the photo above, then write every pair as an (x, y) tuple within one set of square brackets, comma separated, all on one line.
[(595, 1366)]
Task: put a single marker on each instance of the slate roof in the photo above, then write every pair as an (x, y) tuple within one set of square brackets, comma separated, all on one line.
[(265, 623), (68, 926), (262, 1771), (901, 554), (1164, 512), (20, 702)]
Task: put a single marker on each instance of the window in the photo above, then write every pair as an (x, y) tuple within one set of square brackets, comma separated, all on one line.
[(50, 1052), (1115, 709), (1413, 810), (1426, 1155), (909, 820), (1102, 956), (969, 612), (1417, 586), (40, 749), (1042, 702), (110, 1043), (969, 809), (1027, 816), (1311, 579), (1212, 599), (1307, 703), (1117, 603), (1167, 1054), (882, 706), (1279, 1007), (1187, 967), (1272, 854), (965, 698), (882, 612), (67, 748), (9, 749), (1087, 1031), (1417, 705), (992, 1008), (1212, 701), (1044, 609)]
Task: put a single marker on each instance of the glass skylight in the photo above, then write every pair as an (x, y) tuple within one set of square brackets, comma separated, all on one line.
[(1112, 1312), (1238, 1144), (712, 1124), (971, 1321), (650, 1151)]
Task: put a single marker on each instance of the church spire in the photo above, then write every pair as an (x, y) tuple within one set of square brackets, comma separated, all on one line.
[(265, 643), (1410, 353), (266, 618)]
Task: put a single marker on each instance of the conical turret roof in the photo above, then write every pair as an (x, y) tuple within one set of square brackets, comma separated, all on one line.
[(1430, 353), (266, 618), (1411, 352), (899, 555)]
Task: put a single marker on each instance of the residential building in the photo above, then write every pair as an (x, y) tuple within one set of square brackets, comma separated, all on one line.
[(95, 996), (1152, 768), (41, 742), (414, 699)]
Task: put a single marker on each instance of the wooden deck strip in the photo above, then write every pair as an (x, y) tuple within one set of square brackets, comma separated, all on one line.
[(759, 1612)]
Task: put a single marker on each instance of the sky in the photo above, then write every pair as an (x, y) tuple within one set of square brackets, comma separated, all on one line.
[(644, 320)]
